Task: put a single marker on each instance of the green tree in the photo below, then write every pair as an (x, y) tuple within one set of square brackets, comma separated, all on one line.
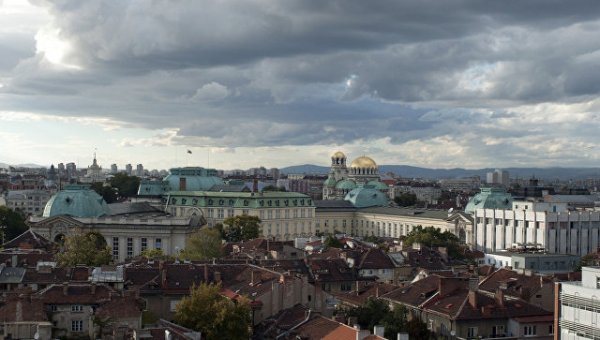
[(12, 223), (125, 184), (217, 317), (89, 249), (203, 244), (108, 193), (434, 237), (406, 199), (241, 228), (377, 312), (332, 242)]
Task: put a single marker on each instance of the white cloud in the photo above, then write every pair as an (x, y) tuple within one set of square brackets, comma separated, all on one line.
[(212, 91)]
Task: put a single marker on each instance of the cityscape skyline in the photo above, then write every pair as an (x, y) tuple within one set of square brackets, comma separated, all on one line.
[(438, 85)]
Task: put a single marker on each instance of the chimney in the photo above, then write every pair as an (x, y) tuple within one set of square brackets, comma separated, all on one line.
[(65, 288), (93, 288), (473, 288), (217, 277), (255, 185), (163, 280), (377, 291), (14, 261), (252, 277), (499, 297)]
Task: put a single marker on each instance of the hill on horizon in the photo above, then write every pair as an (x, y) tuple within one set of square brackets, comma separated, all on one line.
[(419, 172)]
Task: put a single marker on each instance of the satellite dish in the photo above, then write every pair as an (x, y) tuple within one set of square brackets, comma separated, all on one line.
[(450, 210)]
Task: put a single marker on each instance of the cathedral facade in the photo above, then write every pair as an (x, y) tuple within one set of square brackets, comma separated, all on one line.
[(362, 173)]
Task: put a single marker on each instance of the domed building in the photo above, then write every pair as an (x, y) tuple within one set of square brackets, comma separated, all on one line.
[(363, 173), (76, 201)]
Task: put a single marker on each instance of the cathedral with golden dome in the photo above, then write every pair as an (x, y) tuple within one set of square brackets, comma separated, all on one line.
[(363, 173)]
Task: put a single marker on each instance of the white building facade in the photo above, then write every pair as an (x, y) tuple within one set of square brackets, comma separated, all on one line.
[(577, 314), (551, 226)]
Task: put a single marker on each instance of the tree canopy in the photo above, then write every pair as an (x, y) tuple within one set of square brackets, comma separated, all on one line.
[(203, 244), (13, 223), (89, 249), (434, 237), (108, 193), (241, 228), (217, 317), (377, 312), (406, 199), (125, 184)]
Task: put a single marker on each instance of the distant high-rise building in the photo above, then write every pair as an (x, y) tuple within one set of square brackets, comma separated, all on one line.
[(128, 169), (274, 172), (61, 168), (139, 170), (498, 177), (71, 169), (114, 169)]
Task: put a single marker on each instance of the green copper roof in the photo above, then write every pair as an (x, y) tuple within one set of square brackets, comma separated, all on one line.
[(489, 198), (346, 185), (367, 197), (330, 182), (377, 185), (77, 201)]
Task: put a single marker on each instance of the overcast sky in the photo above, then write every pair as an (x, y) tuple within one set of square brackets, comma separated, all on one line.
[(244, 83)]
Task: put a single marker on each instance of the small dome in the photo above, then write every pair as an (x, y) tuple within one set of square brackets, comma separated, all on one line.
[(377, 185), (330, 182), (364, 162), (338, 154), (346, 185), (489, 198), (76, 201), (366, 197)]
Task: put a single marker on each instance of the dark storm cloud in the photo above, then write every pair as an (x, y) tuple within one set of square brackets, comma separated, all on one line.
[(247, 73)]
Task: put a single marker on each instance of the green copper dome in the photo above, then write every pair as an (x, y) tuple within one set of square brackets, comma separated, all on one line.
[(489, 198), (377, 185), (76, 201), (330, 182), (367, 197), (345, 185)]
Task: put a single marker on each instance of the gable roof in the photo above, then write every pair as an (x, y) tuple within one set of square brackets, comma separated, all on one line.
[(28, 240), (375, 258)]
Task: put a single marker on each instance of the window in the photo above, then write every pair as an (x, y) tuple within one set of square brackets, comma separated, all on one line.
[(220, 213), (115, 247), (76, 325), (498, 330), (76, 308), (471, 332), (551, 329), (529, 330), (129, 247), (598, 282), (144, 244), (230, 213), (157, 243)]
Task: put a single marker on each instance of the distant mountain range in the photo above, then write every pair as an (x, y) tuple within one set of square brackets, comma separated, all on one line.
[(5, 166), (418, 172)]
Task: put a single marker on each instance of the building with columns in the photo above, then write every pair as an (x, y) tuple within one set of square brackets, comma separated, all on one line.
[(128, 228), (553, 227)]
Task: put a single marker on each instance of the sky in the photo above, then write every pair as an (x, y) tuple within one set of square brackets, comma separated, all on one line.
[(245, 83)]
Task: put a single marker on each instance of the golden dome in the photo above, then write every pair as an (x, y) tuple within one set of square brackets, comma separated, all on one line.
[(363, 162), (338, 154)]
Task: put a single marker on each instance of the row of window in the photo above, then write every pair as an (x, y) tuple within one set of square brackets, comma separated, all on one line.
[(129, 245), (245, 202)]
